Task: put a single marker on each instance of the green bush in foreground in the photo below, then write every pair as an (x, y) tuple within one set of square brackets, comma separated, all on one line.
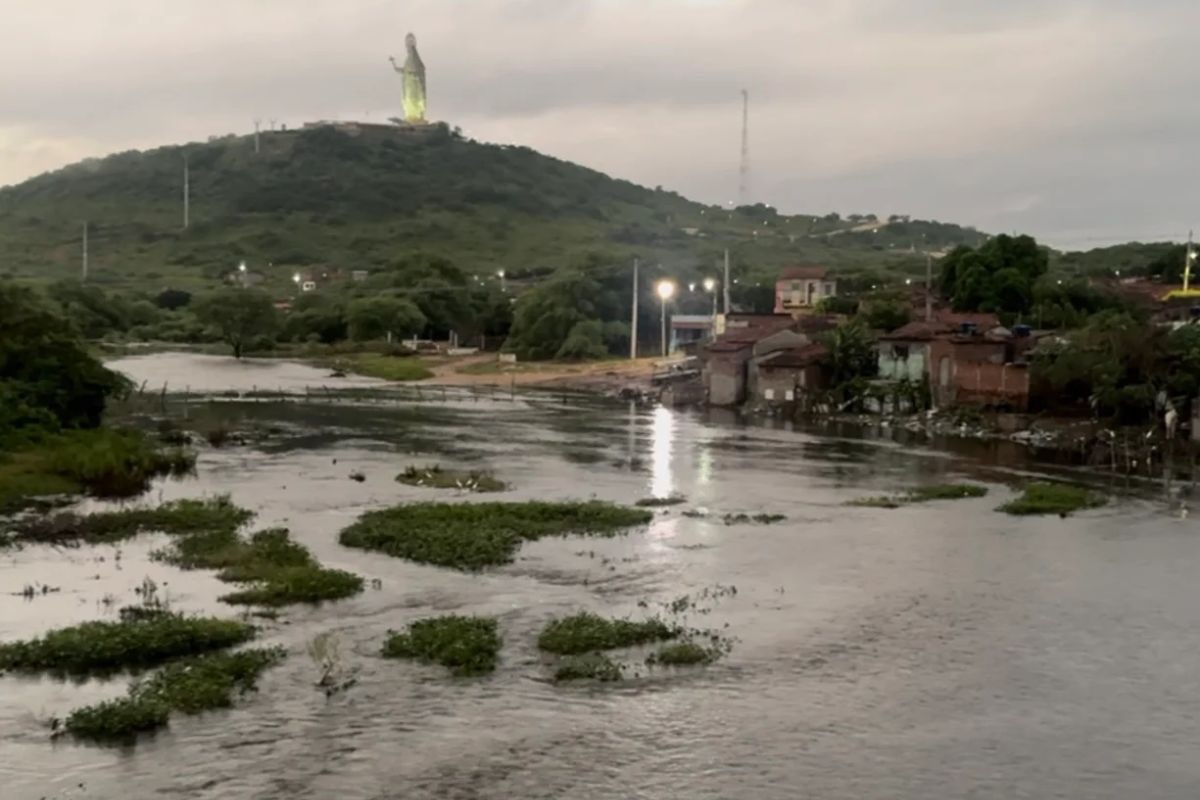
[(592, 666), (190, 686), (471, 536), (435, 477), (105, 647), (1051, 498), (282, 571), (467, 645), (215, 514), (587, 633)]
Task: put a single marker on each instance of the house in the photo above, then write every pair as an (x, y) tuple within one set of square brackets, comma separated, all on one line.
[(799, 289), (726, 373), (988, 369), (688, 331), (792, 375), (903, 354)]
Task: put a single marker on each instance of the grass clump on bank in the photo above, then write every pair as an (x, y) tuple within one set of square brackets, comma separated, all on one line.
[(216, 514), (1052, 498), (471, 536), (102, 462), (435, 477), (591, 666), (588, 633), (661, 502), (106, 647), (387, 367), (282, 571), (922, 494), (189, 686), (466, 645), (758, 519)]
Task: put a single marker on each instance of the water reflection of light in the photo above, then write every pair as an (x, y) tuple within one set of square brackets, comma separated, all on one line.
[(662, 481)]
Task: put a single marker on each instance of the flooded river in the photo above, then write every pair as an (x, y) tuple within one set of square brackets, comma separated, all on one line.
[(935, 651)]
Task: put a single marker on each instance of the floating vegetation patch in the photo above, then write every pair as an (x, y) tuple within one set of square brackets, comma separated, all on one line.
[(590, 666), (465, 645), (661, 502), (471, 536), (437, 477), (1052, 498), (680, 654), (140, 642), (588, 633), (188, 686), (757, 519), (217, 514), (923, 494), (280, 570)]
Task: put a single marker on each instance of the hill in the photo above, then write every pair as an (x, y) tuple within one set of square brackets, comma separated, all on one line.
[(358, 197)]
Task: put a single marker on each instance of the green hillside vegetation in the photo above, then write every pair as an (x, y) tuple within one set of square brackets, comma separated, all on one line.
[(325, 198)]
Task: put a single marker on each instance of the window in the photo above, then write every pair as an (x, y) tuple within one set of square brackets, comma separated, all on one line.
[(900, 351), (769, 394)]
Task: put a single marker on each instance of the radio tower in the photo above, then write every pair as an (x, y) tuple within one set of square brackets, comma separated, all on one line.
[(744, 173)]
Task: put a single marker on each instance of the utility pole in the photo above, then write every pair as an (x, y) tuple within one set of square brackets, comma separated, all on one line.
[(633, 331), (1187, 264), (257, 126), (83, 278), (744, 170), (929, 287), (187, 193), (725, 285)]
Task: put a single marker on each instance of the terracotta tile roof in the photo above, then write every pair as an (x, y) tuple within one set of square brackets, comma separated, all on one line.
[(918, 332), (805, 272), (796, 356)]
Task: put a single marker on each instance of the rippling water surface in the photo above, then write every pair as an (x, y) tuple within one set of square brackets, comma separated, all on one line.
[(927, 652)]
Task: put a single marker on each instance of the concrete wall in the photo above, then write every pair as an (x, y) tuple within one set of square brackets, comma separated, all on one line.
[(787, 384), (992, 384), (725, 377), (895, 365)]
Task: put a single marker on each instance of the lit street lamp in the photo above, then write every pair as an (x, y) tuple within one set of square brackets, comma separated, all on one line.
[(666, 290), (710, 286)]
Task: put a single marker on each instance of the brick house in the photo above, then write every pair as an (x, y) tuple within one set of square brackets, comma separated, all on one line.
[(988, 370), (726, 373), (792, 375), (799, 289)]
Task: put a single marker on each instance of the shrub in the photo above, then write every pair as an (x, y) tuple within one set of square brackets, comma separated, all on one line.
[(1051, 498), (435, 477)]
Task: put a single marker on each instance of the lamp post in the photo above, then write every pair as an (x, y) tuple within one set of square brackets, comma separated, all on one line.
[(500, 275), (666, 290), (710, 286)]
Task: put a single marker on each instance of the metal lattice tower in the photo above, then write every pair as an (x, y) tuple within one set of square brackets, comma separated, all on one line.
[(744, 172)]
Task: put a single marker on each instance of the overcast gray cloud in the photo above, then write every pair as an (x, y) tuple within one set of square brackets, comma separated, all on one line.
[(1065, 118)]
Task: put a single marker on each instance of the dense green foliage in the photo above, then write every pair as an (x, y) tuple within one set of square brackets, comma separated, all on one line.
[(188, 686), (105, 647), (48, 380), (587, 633), (922, 494), (466, 645), (680, 654), (382, 317), (999, 275), (1051, 498), (471, 536)]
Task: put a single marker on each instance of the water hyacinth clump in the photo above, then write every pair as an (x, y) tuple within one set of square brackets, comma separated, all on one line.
[(282, 571), (683, 654), (215, 514), (587, 633), (188, 686), (471, 536), (438, 477), (132, 644), (465, 645), (590, 666), (1052, 498), (661, 502)]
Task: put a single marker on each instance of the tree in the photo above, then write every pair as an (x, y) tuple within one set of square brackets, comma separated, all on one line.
[(885, 314), (47, 377), (851, 353), (380, 317), (240, 316), (546, 316), (172, 299), (999, 275)]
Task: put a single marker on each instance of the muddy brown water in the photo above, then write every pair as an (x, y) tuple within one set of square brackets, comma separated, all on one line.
[(942, 650)]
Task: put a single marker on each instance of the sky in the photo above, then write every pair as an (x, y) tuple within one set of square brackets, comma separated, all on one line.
[(1067, 119)]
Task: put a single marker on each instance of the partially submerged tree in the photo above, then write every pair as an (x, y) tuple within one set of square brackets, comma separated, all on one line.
[(381, 317), (241, 316)]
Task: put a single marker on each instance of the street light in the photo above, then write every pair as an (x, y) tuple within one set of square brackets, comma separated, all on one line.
[(296, 278), (666, 290)]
